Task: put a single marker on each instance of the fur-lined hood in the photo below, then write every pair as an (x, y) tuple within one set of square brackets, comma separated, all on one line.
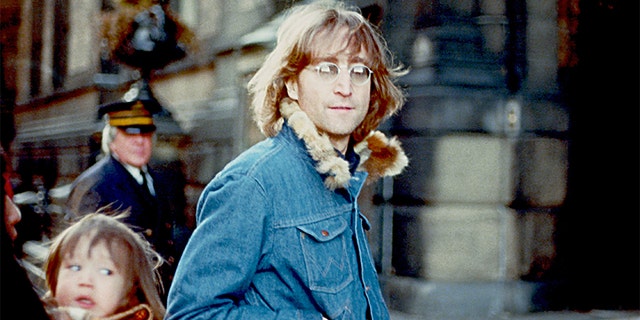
[(379, 156)]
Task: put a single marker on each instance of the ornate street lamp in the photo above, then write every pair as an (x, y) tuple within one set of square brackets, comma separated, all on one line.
[(145, 36)]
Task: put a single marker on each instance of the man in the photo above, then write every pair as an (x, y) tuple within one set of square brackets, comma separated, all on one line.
[(279, 232), (124, 180)]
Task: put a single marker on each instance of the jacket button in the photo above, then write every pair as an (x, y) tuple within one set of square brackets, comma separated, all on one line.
[(324, 232)]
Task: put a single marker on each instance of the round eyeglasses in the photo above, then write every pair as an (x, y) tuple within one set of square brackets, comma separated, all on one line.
[(329, 72)]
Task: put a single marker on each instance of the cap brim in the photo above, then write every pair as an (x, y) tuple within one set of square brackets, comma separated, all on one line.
[(138, 129)]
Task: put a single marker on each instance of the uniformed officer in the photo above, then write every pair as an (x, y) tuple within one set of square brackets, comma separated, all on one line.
[(123, 178)]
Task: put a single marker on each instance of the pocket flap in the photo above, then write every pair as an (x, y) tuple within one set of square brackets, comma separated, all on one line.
[(325, 230)]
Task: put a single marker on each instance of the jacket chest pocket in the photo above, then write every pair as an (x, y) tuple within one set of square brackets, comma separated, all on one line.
[(325, 248)]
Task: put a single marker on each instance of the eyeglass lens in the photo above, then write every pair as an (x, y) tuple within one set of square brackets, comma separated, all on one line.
[(329, 72)]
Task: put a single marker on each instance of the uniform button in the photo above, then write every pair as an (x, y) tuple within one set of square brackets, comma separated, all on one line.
[(324, 232)]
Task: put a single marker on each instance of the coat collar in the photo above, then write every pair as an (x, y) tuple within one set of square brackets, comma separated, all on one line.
[(379, 156), (139, 312)]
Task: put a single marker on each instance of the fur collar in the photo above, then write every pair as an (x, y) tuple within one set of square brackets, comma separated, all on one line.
[(379, 156), (139, 312)]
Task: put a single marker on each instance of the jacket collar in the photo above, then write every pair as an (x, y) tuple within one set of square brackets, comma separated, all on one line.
[(379, 156)]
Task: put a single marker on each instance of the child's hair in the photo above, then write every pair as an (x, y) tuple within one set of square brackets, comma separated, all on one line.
[(130, 252)]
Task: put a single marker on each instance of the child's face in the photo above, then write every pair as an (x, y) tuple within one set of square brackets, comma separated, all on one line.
[(90, 280)]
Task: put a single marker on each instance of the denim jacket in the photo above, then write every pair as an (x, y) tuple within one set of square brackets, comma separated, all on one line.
[(273, 241)]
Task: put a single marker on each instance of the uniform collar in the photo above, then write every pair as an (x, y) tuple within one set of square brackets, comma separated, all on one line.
[(134, 171)]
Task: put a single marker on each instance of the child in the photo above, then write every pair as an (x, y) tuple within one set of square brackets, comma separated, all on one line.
[(99, 268)]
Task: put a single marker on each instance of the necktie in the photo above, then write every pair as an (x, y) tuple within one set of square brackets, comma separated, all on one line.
[(145, 182)]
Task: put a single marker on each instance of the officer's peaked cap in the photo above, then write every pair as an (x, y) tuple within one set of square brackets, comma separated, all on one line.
[(133, 113)]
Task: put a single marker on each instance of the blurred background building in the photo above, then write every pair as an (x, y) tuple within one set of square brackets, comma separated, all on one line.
[(521, 127)]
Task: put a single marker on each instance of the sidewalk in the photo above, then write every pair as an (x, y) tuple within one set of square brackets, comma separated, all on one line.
[(416, 299)]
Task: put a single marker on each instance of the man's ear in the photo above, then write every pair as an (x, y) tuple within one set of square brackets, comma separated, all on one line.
[(292, 89)]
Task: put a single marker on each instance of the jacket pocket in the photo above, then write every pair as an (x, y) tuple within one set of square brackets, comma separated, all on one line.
[(324, 246)]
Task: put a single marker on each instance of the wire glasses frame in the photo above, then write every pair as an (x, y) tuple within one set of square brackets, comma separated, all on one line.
[(329, 72)]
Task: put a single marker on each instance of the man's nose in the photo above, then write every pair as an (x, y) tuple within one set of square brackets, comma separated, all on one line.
[(139, 138), (343, 84)]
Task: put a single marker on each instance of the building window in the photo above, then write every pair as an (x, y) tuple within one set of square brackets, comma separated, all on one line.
[(49, 31), (37, 20), (60, 46)]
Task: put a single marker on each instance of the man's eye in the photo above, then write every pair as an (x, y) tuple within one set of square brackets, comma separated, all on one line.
[(327, 69), (359, 70)]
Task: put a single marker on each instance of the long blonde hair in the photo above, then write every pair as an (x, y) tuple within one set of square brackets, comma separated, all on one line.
[(129, 250), (295, 50)]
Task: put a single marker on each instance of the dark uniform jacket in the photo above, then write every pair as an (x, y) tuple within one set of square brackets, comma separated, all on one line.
[(108, 183)]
